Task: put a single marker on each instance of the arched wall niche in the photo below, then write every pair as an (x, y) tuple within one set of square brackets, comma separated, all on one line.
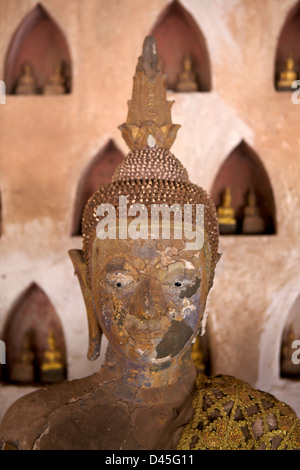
[(178, 36), (289, 355), (98, 173), (241, 171), (40, 42), (26, 335), (288, 44)]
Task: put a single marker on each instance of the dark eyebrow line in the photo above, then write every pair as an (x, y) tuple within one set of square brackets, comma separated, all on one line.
[(115, 265)]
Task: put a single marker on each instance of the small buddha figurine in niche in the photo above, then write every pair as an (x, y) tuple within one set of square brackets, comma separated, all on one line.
[(148, 295), (287, 76), (187, 81), (287, 367), (198, 356), (52, 368), (56, 82), (227, 220), (23, 370), (253, 223), (27, 83)]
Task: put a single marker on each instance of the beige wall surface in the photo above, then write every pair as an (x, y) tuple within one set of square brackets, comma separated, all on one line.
[(46, 143)]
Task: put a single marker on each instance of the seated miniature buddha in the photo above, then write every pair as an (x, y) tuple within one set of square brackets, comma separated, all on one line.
[(253, 223), (227, 221), (52, 368), (27, 83), (23, 370), (148, 296), (56, 82), (287, 76), (187, 79)]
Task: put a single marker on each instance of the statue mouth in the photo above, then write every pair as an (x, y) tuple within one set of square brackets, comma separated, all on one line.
[(144, 328)]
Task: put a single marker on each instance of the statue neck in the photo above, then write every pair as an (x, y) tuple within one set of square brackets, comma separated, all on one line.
[(133, 379)]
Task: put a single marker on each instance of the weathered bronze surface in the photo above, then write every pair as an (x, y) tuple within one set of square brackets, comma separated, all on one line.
[(149, 113)]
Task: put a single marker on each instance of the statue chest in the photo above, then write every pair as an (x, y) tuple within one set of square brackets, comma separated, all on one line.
[(90, 425)]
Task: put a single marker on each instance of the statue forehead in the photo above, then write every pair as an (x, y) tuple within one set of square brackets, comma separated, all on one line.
[(143, 252)]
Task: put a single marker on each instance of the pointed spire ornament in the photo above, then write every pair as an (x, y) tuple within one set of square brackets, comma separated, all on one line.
[(149, 120)]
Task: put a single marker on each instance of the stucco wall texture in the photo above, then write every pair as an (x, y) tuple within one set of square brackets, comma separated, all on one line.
[(46, 143)]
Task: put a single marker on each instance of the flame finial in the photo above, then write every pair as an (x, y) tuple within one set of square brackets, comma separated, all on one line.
[(149, 122)]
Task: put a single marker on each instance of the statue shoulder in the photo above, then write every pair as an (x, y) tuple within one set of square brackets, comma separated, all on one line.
[(231, 414), (26, 420)]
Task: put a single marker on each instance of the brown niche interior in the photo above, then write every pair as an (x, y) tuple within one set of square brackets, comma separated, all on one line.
[(98, 173), (39, 41), (32, 315), (289, 42), (241, 171), (178, 35)]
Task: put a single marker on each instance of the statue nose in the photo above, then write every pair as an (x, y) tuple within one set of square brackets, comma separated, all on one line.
[(151, 299)]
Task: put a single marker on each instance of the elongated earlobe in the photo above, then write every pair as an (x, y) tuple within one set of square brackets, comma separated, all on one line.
[(95, 332)]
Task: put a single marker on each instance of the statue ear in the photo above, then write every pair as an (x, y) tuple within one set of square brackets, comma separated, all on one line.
[(211, 281), (95, 332)]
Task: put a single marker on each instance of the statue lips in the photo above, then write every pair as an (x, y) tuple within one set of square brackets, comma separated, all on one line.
[(147, 328)]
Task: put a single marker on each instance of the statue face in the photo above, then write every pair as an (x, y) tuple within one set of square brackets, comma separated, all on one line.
[(149, 296)]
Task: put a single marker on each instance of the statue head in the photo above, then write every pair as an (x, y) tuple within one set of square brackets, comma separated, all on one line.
[(144, 277)]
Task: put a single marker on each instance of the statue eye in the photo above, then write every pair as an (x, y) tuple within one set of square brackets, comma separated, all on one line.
[(177, 284), (119, 280)]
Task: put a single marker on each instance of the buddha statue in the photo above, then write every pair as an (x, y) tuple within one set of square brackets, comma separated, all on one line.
[(253, 223), (23, 370), (146, 290), (56, 82), (287, 76), (27, 83), (52, 368), (227, 221), (187, 79)]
